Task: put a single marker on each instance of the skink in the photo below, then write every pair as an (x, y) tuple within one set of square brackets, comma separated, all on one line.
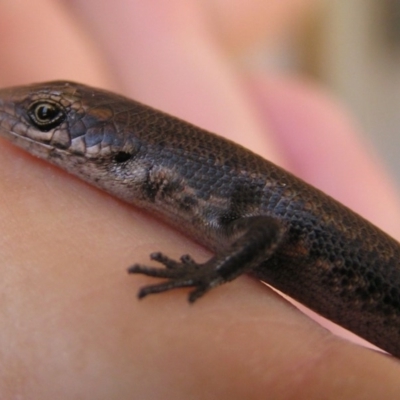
[(255, 217)]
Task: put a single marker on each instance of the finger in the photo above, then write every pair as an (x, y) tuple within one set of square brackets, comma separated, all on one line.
[(71, 323), (40, 41)]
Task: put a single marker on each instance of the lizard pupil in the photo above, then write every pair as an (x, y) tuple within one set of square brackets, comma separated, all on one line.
[(45, 112), (46, 115)]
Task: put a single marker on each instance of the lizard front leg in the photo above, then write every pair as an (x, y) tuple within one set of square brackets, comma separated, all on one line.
[(251, 240)]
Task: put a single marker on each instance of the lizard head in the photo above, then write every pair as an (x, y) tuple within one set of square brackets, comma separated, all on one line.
[(84, 130)]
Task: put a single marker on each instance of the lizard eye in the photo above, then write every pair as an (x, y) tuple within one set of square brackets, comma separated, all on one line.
[(46, 115)]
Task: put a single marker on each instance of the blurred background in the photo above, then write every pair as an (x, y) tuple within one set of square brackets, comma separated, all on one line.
[(359, 58), (353, 48)]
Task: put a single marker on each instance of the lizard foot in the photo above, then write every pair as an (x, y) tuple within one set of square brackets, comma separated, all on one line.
[(183, 273)]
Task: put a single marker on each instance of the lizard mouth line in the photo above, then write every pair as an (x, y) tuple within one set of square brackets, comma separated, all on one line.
[(22, 138), (19, 140)]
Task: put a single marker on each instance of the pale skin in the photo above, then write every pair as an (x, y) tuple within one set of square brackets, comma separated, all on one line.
[(72, 326)]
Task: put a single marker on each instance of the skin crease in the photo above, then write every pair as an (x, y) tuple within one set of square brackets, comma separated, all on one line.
[(71, 324)]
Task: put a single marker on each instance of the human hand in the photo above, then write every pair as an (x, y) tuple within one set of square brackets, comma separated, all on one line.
[(71, 323)]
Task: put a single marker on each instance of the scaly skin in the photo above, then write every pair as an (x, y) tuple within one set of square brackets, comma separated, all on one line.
[(256, 217)]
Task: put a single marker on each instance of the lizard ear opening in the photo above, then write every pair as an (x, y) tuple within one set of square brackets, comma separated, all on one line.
[(122, 156)]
